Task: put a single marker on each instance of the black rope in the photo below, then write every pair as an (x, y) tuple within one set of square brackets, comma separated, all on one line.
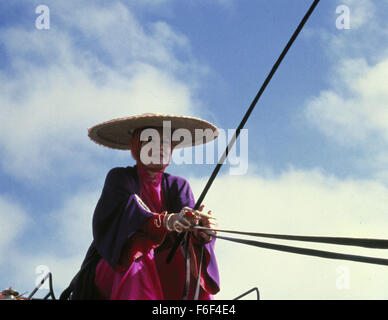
[(255, 289), (51, 290), (198, 283), (308, 252), (357, 242), (188, 273), (244, 120)]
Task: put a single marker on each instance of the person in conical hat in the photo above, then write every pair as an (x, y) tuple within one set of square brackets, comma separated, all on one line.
[(141, 211)]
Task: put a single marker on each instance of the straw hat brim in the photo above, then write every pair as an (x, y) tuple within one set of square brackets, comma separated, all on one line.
[(117, 133)]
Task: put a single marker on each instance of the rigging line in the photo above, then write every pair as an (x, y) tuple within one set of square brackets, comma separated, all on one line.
[(244, 120), (308, 252), (255, 289), (188, 273), (357, 242)]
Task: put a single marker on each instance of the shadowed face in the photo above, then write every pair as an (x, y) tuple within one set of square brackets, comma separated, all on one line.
[(153, 149)]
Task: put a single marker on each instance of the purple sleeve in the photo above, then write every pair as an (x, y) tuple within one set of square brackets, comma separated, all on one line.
[(212, 268), (118, 215)]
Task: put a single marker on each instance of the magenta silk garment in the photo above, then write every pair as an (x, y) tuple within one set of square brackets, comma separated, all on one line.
[(139, 282), (142, 281), (148, 277)]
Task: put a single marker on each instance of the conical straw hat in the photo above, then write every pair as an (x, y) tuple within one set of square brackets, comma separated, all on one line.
[(117, 133)]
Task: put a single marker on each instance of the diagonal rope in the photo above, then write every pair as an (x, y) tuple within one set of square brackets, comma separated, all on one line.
[(244, 120)]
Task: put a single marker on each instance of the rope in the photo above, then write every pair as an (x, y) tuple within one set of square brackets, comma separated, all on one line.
[(308, 252), (357, 242)]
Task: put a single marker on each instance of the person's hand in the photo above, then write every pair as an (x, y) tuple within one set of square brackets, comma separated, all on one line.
[(207, 221), (181, 221)]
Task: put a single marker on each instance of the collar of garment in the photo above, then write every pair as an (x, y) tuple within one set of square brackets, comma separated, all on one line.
[(146, 177)]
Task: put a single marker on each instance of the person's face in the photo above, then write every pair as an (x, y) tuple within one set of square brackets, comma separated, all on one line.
[(156, 152)]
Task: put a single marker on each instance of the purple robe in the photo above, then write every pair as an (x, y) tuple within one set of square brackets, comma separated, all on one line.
[(118, 215)]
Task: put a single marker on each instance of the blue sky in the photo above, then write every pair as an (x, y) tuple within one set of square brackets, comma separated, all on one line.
[(317, 138)]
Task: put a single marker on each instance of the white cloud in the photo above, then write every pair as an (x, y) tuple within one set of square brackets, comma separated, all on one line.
[(351, 111), (116, 31), (62, 246), (302, 203), (14, 220), (74, 221), (59, 88), (356, 109)]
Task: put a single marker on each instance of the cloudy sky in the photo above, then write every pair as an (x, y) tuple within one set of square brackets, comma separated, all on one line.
[(316, 145)]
